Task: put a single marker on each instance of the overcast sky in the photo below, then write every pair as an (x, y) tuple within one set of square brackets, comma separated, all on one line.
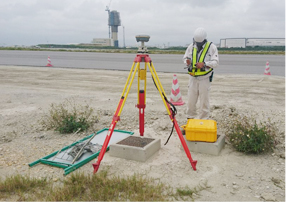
[(169, 22)]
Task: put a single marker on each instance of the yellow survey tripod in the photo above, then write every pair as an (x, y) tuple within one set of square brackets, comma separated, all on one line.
[(142, 56)]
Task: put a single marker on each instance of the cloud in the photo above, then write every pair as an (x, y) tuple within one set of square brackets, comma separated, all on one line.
[(170, 22)]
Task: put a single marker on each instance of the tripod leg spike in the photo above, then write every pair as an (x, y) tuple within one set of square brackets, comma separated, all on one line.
[(194, 163), (95, 167)]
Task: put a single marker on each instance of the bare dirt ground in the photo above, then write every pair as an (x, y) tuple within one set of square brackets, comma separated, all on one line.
[(27, 93)]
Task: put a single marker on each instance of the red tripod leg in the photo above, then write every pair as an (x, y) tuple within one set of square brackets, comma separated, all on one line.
[(187, 151), (115, 119), (184, 144), (141, 107), (116, 116), (172, 117)]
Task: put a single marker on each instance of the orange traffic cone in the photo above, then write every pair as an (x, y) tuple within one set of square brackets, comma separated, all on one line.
[(49, 62), (176, 97), (267, 69)]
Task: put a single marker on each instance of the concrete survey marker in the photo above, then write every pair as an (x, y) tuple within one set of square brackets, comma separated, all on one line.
[(135, 148), (136, 141), (213, 148)]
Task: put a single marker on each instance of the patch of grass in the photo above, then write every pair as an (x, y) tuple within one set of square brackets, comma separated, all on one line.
[(250, 136), (80, 187), (98, 187), (187, 193), (19, 185), (249, 52), (68, 117)]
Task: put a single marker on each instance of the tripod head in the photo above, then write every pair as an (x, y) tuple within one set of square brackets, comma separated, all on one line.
[(142, 39)]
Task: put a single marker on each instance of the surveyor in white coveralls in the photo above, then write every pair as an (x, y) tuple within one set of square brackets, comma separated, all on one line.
[(201, 57)]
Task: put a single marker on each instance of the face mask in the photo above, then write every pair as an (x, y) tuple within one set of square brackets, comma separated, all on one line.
[(200, 44)]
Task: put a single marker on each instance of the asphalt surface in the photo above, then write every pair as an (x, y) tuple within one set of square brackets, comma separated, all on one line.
[(229, 64)]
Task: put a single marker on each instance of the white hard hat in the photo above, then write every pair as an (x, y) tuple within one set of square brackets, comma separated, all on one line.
[(200, 34)]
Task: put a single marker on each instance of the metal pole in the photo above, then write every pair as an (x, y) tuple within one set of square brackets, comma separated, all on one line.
[(123, 36)]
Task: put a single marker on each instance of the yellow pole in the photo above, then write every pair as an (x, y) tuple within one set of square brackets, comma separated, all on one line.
[(145, 82), (127, 81), (158, 79), (128, 89), (138, 84), (159, 86)]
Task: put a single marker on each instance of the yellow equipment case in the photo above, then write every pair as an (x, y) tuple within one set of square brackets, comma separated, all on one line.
[(201, 130)]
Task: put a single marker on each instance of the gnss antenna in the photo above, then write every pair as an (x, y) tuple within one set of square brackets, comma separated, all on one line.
[(142, 39)]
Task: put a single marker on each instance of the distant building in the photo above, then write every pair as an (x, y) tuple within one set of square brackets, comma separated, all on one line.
[(265, 42), (114, 22), (102, 42), (250, 42)]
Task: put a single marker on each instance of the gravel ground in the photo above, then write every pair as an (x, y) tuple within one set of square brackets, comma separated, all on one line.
[(28, 92)]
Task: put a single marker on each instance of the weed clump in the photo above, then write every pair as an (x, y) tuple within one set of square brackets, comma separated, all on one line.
[(249, 136), (68, 117)]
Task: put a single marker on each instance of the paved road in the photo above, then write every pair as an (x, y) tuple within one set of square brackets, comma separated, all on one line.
[(229, 64)]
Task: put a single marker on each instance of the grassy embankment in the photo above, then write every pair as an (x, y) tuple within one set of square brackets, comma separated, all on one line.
[(152, 50)]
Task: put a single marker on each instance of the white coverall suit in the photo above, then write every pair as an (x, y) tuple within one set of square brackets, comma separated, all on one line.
[(199, 86)]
